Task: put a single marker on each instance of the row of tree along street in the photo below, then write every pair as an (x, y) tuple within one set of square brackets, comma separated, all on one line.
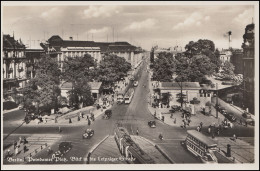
[(200, 59), (42, 93)]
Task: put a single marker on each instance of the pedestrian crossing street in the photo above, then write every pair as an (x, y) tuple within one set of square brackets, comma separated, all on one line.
[(35, 144)]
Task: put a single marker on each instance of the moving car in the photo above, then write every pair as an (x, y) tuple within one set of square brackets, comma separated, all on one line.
[(64, 147), (135, 83), (108, 114), (152, 124), (231, 117), (88, 134)]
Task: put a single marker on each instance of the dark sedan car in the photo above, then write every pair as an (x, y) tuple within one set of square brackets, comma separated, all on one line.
[(231, 117), (152, 124)]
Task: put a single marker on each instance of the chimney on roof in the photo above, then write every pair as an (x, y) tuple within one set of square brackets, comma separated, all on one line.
[(71, 38)]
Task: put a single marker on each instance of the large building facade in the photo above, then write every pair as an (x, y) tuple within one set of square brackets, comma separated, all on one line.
[(59, 48), (14, 64), (249, 67)]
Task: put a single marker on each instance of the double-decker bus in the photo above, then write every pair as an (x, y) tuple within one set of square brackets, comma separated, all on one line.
[(201, 146), (129, 95)]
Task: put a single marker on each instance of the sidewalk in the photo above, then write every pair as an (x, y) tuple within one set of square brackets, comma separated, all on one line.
[(64, 119)]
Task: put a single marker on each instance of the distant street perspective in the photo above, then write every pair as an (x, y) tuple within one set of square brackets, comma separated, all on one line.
[(89, 97)]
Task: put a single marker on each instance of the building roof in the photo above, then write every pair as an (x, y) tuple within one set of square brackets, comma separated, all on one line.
[(10, 43), (121, 48), (176, 85), (93, 85), (202, 138), (56, 42)]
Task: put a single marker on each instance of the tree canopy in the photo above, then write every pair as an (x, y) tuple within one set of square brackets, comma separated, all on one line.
[(199, 59), (44, 89), (112, 68), (80, 71), (164, 66)]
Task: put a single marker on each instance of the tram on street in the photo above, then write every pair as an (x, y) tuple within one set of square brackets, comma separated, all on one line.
[(129, 95), (130, 149), (201, 146)]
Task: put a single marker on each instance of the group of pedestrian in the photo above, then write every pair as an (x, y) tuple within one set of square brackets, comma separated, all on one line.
[(186, 119), (17, 145)]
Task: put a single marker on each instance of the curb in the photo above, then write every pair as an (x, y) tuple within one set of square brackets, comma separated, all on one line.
[(94, 148), (159, 149), (11, 110)]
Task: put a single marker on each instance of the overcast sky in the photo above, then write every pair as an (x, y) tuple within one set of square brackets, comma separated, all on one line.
[(140, 25)]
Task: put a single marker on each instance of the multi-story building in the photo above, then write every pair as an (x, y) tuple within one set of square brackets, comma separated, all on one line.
[(249, 67), (32, 56), (14, 66), (59, 48), (237, 60), (225, 55), (173, 50)]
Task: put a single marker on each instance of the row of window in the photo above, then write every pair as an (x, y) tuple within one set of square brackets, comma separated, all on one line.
[(192, 139), (14, 54), (195, 148)]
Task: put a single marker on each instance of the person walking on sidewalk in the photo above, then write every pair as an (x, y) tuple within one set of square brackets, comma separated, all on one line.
[(137, 132), (59, 129), (201, 124), (82, 115)]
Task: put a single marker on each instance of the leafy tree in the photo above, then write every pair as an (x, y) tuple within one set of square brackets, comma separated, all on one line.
[(81, 94), (79, 71), (228, 70), (112, 68), (152, 55), (199, 59), (164, 67), (44, 88), (74, 68), (196, 48), (193, 70)]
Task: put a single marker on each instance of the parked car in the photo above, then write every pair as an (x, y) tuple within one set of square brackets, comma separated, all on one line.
[(248, 119), (108, 114), (88, 134), (231, 117), (246, 115), (152, 124), (175, 108)]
